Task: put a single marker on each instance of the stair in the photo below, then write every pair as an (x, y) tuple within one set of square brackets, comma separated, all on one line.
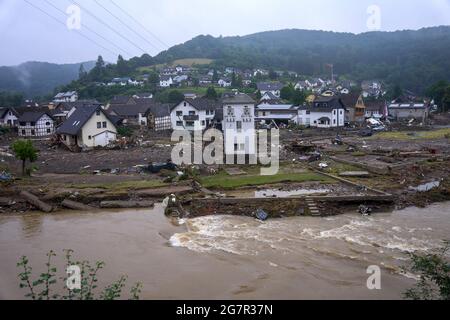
[(313, 209)]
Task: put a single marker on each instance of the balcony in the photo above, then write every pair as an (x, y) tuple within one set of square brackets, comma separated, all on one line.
[(191, 118)]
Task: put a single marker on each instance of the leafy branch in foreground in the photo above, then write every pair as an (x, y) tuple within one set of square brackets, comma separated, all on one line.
[(40, 289), (434, 275)]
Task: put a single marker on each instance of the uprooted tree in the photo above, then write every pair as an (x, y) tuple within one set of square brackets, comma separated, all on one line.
[(24, 150)]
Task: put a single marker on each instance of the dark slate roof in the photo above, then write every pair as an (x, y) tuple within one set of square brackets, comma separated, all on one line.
[(269, 86), (328, 103), (375, 105), (130, 110), (201, 104), (78, 119), (67, 106), (121, 100), (160, 110), (33, 116), (350, 100), (240, 98)]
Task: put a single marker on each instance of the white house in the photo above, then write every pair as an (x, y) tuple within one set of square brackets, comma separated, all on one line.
[(165, 81), (70, 96), (272, 87), (36, 124), (9, 117), (224, 82), (325, 112), (87, 128), (193, 114), (239, 125)]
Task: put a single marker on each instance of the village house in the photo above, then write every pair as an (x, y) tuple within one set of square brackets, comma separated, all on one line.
[(36, 124), (324, 112), (376, 109), (158, 117), (166, 81), (144, 95), (278, 113), (205, 80), (239, 126), (224, 82), (120, 100), (355, 106), (64, 110), (193, 114), (70, 96), (87, 128), (269, 97), (169, 72), (9, 117), (372, 89), (132, 114), (272, 87), (409, 110)]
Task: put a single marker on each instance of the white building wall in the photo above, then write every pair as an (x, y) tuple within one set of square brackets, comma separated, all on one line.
[(336, 116), (239, 129), (184, 109), (45, 126)]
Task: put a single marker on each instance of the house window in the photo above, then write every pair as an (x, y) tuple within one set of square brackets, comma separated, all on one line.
[(185, 104), (179, 123), (98, 113), (33, 124), (179, 113), (308, 112), (90, 137), (192, 113), (230, 111), (105, 125), (23, 132), (33, 132), (239, 126), (49, 131), (203, 123), (99, 125), (47, 124)]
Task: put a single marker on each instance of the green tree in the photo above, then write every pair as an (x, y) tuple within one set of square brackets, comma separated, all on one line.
[(434, 272), (287, 92), (440, 92), (122, 67), (273, 75), (175, 96), (211, 93), (24, 150), (98, 72), (82, 73), (258, 95), (215, 77)]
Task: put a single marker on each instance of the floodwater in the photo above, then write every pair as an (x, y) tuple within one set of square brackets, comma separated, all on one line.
[(222, 257)]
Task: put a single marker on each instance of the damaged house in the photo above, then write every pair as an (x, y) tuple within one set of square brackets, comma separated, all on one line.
[(87, 128), (36, 124)]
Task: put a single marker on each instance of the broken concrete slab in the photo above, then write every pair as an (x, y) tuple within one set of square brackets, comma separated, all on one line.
[(235, 171), (32, 199), (356, 174), (76, 206)]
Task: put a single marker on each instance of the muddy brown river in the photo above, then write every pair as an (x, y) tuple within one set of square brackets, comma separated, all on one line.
[(222, 257)]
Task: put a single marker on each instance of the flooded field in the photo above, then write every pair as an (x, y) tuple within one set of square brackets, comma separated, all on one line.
[(221, 257)]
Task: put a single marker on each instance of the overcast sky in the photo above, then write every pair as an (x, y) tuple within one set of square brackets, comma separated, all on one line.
[(27, 34)]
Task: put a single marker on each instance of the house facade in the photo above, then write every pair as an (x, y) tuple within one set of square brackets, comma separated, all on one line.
[(278, 113), (70, 96), (239, 126), (9, 117), (408, 111), (193, 114), (166, 81), (324, 112), (36, 124), (355, 106), (87, 128), (272, 87), (158, 117)]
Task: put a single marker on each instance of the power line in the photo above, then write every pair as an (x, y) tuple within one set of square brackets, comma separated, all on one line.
[(108, 26), (124, 24), (139, 23), (57, 20), (91, 30)]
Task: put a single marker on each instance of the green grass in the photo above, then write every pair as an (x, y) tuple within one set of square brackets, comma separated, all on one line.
[(402, 135), (224, 181), (127, 185)]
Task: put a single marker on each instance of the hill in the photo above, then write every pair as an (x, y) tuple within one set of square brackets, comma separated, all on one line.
[(412, 59), (39, 78)]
